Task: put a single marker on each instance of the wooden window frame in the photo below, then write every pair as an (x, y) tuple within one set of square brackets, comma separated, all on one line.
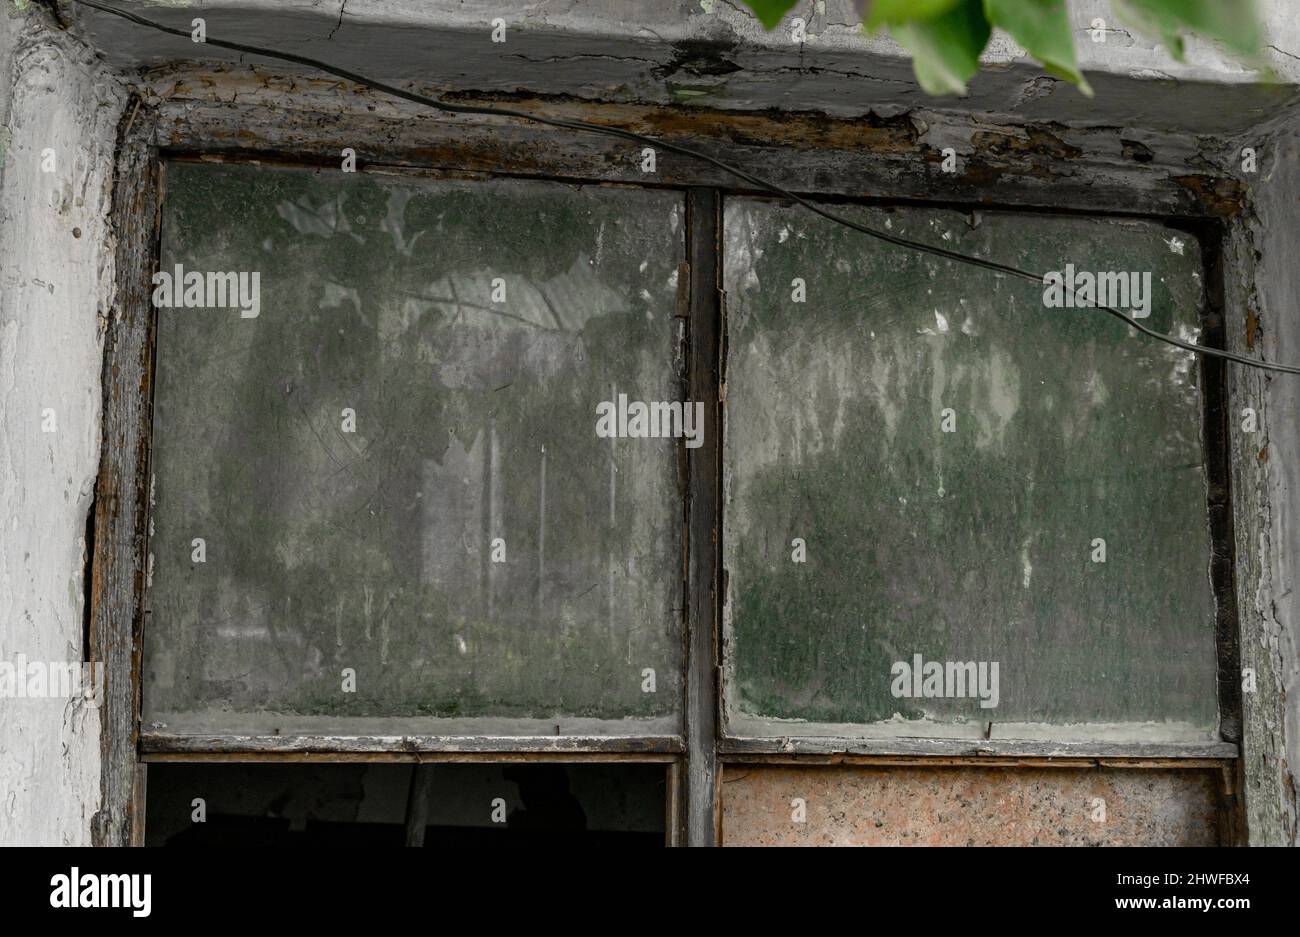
[(306, 125), (1213, 418)]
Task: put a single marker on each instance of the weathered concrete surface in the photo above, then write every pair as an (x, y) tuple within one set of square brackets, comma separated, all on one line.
[(55, 265), (715, 52), (894, 806)]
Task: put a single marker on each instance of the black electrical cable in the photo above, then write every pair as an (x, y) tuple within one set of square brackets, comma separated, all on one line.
[(635, 137)]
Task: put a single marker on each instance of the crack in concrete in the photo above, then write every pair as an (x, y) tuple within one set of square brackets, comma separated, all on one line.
[(339, 25), (822, 70), (581, 55), (1285, 52)]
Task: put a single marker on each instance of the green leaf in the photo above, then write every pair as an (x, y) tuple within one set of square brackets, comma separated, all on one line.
[(946, 48), (1235, 23), (1043, 28), (898, 12), (770, 12)]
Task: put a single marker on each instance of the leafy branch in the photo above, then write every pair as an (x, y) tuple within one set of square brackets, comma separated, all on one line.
[(946, 37)]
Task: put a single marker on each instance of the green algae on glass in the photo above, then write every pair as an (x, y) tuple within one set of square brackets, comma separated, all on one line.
[(474, 420), (974, 545)]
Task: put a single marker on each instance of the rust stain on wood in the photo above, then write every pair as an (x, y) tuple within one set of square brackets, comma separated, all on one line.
[(1219, 196), (755, 128)]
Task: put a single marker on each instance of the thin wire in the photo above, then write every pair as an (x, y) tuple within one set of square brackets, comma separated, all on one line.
[(731, 170)]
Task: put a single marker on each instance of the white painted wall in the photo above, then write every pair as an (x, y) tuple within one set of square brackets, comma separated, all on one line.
[(53, 96)]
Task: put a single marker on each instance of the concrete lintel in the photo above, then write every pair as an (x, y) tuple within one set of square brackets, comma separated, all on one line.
[(716, 54)]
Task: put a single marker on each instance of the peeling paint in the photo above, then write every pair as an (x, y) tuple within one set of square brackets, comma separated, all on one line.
[(55, 95)]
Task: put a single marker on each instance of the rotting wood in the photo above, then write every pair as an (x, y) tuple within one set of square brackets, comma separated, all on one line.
[(139, 812), (1214, 438), (674, 810), (820, 745), (408, 758), (1048, 167), (1221, 196), (1033, 142), (121, 490), (155, 743), (977, 761), (703, 222), (1262, 793), (1230, 812)]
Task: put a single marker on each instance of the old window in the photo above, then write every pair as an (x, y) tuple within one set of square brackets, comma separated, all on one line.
[(450, 466), (380, 506), (956, 507)]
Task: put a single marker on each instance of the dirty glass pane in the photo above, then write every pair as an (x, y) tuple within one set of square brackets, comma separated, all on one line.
[(976, 479), (393, 465)]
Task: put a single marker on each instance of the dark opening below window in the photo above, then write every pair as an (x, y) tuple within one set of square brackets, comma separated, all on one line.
[(369, 804)]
